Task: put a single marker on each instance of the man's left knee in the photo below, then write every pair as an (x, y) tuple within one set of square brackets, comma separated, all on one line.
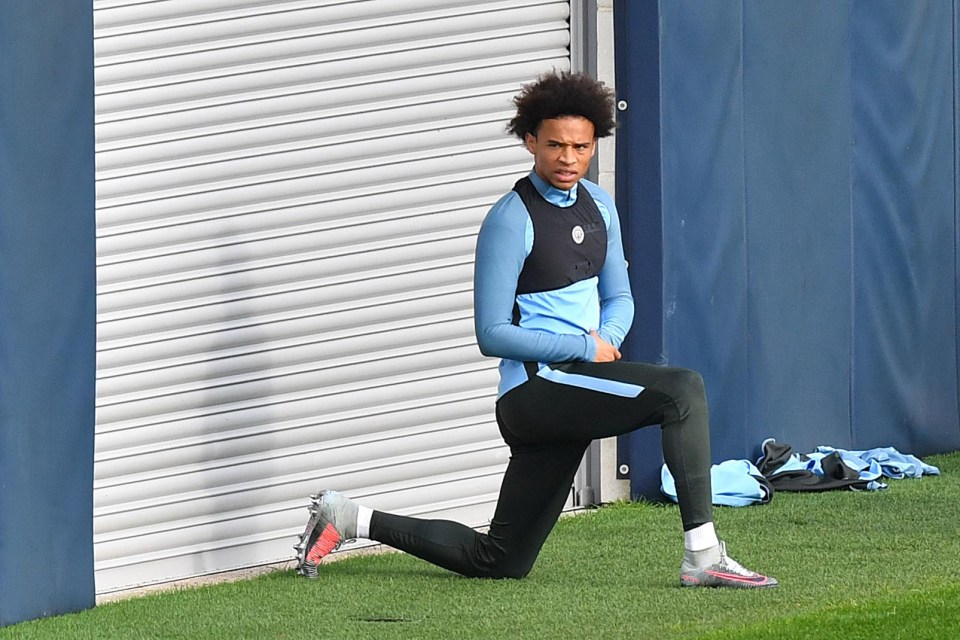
[(686, 388), (687, 383)]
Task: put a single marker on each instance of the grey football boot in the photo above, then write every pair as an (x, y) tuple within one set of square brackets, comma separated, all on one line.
[(714, 568), (333, 521)]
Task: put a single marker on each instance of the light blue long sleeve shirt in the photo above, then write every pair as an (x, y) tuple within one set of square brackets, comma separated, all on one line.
[(554, 325)]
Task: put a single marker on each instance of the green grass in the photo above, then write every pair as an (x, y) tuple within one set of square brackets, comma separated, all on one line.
[(851, 565)]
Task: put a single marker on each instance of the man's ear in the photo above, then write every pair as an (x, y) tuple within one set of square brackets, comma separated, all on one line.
[(531, 141)]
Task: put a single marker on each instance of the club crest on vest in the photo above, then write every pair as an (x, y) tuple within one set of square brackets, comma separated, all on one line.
[(577, 234)]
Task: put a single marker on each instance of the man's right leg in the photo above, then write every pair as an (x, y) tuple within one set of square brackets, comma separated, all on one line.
[(534, 490)]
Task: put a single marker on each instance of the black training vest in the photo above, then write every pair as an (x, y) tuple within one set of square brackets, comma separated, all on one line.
[(569, 243)]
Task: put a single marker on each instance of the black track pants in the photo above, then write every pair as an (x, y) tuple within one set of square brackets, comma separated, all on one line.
[(548, 426)]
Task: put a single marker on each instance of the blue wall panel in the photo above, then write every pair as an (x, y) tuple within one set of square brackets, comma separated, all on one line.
[(638, 191), (956, 182), (47, 308)]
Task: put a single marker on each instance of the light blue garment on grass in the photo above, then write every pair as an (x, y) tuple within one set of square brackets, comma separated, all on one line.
[(736, 483)]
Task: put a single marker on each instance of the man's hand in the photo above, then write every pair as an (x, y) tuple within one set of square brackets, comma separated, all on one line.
[(606, 352)]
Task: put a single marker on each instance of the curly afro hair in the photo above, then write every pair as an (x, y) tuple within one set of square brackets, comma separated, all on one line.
[(555, 95)]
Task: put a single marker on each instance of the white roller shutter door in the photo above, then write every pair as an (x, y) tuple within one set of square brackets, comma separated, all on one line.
[(288, 194)]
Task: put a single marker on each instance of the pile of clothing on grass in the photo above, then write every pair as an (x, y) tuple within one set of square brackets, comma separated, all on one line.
[(738, 483)]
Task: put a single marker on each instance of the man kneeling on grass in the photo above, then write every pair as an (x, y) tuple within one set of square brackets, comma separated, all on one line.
[(552, 300)]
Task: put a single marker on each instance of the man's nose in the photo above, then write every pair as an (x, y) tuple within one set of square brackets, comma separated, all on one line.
[(567, 155)]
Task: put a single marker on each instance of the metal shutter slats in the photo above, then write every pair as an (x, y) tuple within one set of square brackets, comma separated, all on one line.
[(288, 194)]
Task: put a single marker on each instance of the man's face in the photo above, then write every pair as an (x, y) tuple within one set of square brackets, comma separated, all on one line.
[(562, 150)]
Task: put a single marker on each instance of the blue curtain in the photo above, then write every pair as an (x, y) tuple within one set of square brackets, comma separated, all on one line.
[(808, 218), (903, 162)]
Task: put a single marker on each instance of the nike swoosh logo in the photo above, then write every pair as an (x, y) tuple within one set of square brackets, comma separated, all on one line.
[(738, 578)]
